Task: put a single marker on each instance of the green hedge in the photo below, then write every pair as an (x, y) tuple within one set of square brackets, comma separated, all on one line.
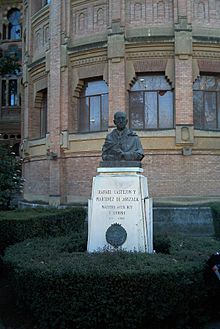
[(64, 289), (215, 207), (18, 225)]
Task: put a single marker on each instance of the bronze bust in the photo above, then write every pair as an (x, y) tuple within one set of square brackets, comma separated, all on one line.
[(122, 144)]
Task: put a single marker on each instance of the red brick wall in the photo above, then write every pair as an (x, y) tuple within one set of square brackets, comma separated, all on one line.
[(178, 175), (183, 91), (36, 175), (168, 175)]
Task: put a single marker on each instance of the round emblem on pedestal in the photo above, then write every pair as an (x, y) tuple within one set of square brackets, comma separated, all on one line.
[(116, 235)]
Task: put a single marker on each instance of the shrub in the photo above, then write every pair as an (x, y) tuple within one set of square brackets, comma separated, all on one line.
[(215, 208), (9, 64), (18, 225), (62, 288), (162, 244), (10, 176)]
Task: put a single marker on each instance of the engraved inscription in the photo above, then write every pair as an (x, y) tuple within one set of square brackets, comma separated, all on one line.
[(117, 203)]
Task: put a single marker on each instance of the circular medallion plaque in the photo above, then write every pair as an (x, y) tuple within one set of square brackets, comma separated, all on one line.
[(116, 235)]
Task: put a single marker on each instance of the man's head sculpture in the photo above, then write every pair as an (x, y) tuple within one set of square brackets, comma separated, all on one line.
[(120, 120)]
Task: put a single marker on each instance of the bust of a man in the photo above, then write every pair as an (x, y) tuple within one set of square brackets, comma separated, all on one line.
[(122, 144)]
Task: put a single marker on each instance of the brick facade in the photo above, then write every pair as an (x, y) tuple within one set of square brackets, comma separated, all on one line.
[(116, 41)]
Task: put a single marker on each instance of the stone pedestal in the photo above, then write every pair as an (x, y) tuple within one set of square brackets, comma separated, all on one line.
[(120, 211)]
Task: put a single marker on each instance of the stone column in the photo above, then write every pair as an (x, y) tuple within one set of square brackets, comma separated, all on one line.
[(183, 82), (116, 61), (54, 102)]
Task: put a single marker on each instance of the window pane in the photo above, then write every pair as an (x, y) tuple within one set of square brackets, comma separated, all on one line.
[(96, 88), (199, 84), (211, 83), (136, 110), (210, 110), (165, 109), (95, 107), (207, 83), (151, 82), (104, 99), (218, 83), (14, 32), (198, 109), (3, 92), (13, 99), (150, 110), (4, 32), (84, 114), (14, 26)]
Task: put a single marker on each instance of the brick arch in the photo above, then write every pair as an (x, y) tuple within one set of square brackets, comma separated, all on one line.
[(130, 74), (86, 72)]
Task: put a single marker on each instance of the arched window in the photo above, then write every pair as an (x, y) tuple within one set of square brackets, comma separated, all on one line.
[(45, 2), (14, 27), (206, 102), (151, 103), (93, 109), (10, 94)]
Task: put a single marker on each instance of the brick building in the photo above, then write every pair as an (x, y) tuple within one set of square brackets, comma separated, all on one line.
[(10, 81), (157, 60)]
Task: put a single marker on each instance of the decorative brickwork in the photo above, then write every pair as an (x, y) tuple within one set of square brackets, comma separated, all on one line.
[(119, 41), (149, 12)]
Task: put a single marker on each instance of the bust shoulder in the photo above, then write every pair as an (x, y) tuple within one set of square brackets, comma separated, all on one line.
[(131, 133)]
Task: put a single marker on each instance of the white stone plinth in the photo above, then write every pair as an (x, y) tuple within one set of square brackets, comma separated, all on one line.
[(120, 211)]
